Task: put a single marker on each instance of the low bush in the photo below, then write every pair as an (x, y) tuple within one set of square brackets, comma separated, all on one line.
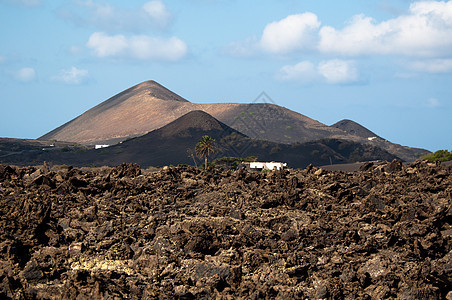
[(440, 155)]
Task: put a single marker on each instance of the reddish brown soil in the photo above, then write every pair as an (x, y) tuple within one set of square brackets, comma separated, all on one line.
[(382, 232)]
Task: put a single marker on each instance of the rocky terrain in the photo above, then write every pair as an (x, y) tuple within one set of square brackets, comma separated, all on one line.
[(117, 233)]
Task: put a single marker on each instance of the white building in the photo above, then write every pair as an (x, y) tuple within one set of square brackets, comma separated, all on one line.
[(267, 165), (101, 146)]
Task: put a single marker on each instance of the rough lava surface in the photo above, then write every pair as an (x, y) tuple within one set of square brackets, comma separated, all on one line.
[(116, 233)]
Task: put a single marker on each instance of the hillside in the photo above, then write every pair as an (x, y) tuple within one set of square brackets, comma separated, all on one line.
[(354, 128), (133, 112), (276, 123), (366, 136), (174, 144), (149, 106)]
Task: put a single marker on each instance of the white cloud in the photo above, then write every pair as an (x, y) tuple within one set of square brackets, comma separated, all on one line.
[(107, 17), (71, 76), (303, 72), (330, 71), (25, 74), (140, 47), (292, 33), (433, 102), (104, 45), (158, 12), (425, 31), (338, 71), (432, 65), (145, 47)]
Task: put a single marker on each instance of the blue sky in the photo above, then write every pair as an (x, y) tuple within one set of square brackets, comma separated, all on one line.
[(384, 64)]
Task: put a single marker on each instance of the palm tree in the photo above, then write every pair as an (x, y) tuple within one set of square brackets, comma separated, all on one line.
[(205, 147)]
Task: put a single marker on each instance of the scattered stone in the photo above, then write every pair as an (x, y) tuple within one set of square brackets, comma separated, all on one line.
[(115, 233)]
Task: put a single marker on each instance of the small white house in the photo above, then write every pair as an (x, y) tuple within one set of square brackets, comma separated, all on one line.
[(101, 146), (267, 165)]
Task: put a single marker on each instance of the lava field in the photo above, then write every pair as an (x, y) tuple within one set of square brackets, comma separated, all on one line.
[(383, 232)]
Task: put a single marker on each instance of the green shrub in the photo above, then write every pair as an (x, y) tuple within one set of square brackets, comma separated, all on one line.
[(440, 155), (232, 162)]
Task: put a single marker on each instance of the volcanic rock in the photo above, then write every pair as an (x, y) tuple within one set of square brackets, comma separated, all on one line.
[(378, 233)]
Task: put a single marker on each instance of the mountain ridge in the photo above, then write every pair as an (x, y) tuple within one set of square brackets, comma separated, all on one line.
[(175, 142), (195, 120), (355, 128), (148, 106), (140, 109)]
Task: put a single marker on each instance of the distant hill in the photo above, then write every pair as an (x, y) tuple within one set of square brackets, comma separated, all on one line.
[(368, 137), (124, 115), (354, 128), (174, 143), (276, 123), (149, 106)]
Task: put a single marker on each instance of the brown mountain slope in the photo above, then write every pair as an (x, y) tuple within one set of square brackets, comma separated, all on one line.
[(175, 142), (124, 115), (149, 106)]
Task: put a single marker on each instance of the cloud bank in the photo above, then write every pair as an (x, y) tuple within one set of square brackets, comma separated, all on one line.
[(422, 35), (158, 12), (71, 76), (330, 71), (295, 32), (432, 66), (25, 74), (106, 17), (141, 47), (425, 31), (120, 35)]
